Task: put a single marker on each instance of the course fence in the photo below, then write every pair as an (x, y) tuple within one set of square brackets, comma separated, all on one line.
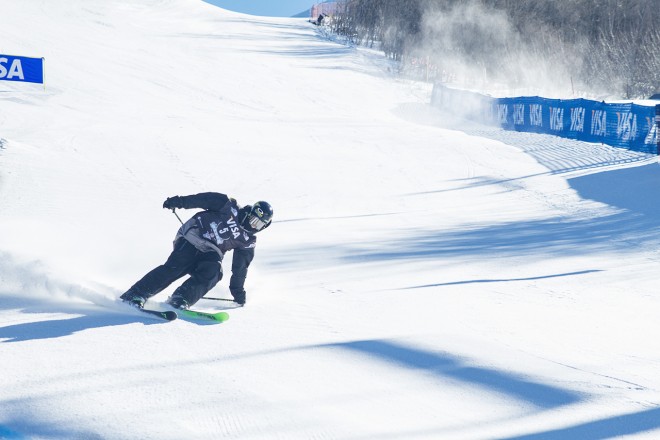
[(627, 125)]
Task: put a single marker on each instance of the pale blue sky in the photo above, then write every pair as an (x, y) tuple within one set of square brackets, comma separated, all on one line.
[(272, 8)]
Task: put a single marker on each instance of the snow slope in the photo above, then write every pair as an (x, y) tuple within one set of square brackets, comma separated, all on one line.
[(425, 277)]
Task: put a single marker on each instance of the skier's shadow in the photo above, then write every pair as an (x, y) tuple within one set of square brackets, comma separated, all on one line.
[(59, 327)]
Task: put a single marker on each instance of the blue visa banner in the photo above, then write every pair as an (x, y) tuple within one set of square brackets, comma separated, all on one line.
[(14, 68), (625, 125)]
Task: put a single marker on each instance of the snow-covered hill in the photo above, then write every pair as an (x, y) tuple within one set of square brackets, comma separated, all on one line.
[(424, 277)]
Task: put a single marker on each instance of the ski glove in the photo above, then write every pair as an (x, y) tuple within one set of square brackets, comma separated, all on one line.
[(172, 202)]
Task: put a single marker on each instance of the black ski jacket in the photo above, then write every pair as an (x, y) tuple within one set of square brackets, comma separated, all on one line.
[(217, 229)]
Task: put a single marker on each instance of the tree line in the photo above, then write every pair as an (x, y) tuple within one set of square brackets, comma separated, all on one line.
[(592, 45)]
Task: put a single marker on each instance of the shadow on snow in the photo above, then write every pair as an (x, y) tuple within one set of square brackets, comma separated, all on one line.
[(44, 430), (611, 427), (57, 328), (454, 283), (556, 237), (454, 368), (86, 316), (632, 190)]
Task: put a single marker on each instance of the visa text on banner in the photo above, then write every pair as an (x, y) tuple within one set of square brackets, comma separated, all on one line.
[(24, 69)]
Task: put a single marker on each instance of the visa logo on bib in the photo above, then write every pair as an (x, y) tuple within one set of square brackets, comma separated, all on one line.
[(13, 68)]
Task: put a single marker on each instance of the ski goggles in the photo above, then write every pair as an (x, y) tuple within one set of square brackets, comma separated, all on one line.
[(256, 223)]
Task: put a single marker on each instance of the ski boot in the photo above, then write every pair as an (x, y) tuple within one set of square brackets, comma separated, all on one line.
[(178, 302), (133, 299)]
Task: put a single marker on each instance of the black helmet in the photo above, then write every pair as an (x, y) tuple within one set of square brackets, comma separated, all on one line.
[(257, 217)]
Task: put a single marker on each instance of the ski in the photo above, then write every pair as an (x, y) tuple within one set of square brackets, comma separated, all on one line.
[(167, 315), (216, 317)]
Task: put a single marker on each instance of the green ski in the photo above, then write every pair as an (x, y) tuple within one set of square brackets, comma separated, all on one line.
[(216, 317)]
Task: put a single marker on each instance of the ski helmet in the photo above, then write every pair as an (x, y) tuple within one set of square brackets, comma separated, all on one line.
[(257, 217)]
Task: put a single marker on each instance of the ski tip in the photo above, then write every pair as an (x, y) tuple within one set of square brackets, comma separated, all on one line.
[(169, 315), (216, 317)]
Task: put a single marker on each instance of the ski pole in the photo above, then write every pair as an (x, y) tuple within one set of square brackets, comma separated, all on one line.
[(177, 215), (218, 299)]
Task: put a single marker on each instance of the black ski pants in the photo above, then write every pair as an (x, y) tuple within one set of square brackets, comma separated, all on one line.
[(204, 268)]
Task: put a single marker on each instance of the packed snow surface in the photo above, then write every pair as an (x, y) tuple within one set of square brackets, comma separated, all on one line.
[(424, 278)]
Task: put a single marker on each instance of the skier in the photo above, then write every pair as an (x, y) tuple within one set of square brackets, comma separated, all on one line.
[(199, 247)]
